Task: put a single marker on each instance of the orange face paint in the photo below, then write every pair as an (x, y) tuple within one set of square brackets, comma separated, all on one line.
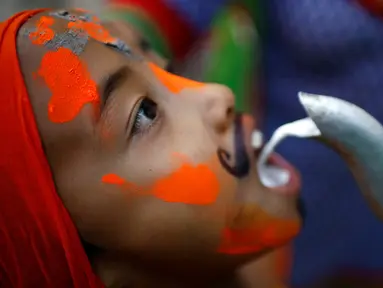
[(64, 73), (113, 179), (43, 32), (265, 232), (189, 184), (174, 83), (95, 30), (70, 83)]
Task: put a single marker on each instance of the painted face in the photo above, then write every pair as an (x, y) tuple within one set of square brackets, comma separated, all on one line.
[(146, 161)]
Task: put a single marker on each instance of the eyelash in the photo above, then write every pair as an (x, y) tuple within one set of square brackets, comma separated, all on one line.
[(145, 103)]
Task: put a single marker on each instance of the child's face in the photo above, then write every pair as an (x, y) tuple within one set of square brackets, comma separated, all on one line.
[(147, 162)]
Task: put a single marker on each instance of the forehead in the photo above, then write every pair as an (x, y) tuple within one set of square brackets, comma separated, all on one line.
[(101, 46), (75, 30), (55, 48)]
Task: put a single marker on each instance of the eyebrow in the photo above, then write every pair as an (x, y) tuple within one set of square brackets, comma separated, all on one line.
[(112, 82), (121, 47), (145, 45), (170, 67)]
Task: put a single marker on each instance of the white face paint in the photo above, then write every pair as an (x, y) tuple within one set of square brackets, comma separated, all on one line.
[(273, 176)]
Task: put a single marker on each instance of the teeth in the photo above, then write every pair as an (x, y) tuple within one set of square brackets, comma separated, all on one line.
[(272, 176), (303, 128), (256, 139)]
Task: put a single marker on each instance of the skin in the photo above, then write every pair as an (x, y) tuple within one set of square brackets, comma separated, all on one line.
[(141, 235)]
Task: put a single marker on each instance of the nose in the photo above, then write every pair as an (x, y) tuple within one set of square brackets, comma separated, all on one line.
[(217, 101), (217, 104)]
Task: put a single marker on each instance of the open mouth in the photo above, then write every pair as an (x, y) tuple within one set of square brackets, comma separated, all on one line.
[(277, 173), (274, 171)]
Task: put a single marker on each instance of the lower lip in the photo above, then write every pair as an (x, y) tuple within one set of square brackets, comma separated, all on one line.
[(294, 184)]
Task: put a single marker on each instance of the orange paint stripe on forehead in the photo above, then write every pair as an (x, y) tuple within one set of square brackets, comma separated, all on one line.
[(43, 32), (69, 81), (94, 29), (65, 75), (197, 185), (174, 83)]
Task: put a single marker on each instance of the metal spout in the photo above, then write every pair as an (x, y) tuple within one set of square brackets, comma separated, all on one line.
[(356, 136)]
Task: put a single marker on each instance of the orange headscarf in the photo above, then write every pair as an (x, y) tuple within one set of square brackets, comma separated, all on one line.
[(39, 244)]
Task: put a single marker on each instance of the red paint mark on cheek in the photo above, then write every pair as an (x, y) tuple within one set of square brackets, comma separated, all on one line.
[(70, 83), (189, 184), (43, 31), (113, 179), (95, 30), (174, 83), (262, 235)]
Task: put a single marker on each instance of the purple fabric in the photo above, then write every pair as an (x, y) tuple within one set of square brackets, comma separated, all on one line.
[(330, 47)]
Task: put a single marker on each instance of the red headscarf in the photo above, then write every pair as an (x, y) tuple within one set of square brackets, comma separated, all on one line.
[(39, 244)]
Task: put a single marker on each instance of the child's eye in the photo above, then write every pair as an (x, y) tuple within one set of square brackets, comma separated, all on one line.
[(145, 117)]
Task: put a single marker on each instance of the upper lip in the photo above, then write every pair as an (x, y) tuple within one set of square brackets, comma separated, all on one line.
[(242, 161), (239, 162)]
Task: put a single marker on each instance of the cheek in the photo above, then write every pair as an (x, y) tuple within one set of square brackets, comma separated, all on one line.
[(173, 226), (152, 226), (189, 184), (192, 196), (196, 185)]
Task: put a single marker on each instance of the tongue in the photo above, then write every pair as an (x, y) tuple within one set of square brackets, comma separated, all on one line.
[(273, 176)]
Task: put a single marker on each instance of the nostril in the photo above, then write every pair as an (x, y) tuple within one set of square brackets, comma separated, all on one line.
[(230, 112), (222, 126)]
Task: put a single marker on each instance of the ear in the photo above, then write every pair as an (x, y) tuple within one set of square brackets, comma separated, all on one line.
[(272, 270)]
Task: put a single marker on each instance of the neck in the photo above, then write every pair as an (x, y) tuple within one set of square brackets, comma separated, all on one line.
[(118, 271)]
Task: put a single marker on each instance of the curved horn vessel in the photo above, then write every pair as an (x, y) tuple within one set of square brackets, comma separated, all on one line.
[(356, 136)]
